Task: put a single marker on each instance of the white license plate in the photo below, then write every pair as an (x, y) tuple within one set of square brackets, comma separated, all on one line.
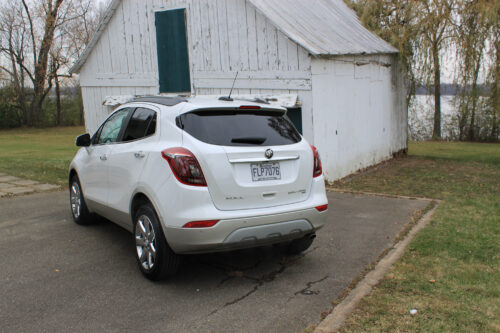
[(265, 171)]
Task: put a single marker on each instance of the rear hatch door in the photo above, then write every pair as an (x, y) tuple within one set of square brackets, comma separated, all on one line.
[(250, 158)]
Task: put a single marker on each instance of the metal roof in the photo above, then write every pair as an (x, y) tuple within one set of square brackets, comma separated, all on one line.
[(322, 27)]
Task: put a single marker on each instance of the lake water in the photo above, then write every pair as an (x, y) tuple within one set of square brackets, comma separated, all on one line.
[(421, 118)]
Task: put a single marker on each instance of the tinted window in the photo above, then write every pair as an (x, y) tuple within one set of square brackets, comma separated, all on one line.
[(110, 130), (96, 136), (141, 124), (240, 128)]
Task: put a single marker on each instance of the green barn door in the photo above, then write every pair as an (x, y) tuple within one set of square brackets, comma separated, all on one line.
[(295, 115), (173, 59)]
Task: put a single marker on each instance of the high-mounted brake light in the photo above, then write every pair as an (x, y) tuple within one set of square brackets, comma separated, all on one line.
[(200, 224), (249, 107), (185, 166), (322, 208), (317, 170)]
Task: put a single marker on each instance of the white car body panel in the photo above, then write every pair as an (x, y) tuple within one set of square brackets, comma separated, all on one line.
[(94, 174)]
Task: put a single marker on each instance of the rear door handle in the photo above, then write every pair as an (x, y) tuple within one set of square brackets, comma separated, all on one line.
[(139, 154), (103, 158)]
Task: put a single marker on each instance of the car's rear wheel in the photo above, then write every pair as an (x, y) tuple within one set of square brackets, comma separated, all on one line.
[(298, 246), (155, 258), (79, 209)]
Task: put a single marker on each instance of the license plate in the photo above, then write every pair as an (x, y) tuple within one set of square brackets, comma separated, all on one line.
[(265, 171)]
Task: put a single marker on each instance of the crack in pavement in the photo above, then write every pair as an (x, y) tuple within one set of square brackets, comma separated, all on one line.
[(231, 271), (240, 272), (266, 278), (307, 290), (255, 288)]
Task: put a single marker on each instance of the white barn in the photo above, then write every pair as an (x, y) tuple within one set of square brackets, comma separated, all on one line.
[(342, 84)]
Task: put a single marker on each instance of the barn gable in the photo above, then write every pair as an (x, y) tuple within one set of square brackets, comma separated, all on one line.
[(224, 36)]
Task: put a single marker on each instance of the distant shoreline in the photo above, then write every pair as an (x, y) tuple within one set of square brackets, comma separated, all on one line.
[(450, 89)]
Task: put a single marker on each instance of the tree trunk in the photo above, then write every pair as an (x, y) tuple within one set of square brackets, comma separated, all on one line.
[(462, 115), (41, 67), (18, 81), (58, 100), (474, 95), (35, 112), (436, 133), (472, 124), (495, 92)]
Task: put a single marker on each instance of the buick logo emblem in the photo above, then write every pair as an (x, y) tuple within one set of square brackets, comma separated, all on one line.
[(269, 154)]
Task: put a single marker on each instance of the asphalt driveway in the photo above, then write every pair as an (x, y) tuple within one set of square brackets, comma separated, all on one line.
[(56, 276)]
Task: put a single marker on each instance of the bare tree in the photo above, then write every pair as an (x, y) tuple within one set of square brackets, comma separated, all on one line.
[(41, 55), (13, 44), (78, 24), (36, 39)]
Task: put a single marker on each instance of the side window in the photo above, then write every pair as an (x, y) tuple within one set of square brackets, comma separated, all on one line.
[(95, 138), (141, 124), (111, 129)]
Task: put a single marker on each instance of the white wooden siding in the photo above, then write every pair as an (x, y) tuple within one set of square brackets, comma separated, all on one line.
[(224, 36), (95, 112), (359, 115)]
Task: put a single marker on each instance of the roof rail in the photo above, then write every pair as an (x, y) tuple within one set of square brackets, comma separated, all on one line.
[(163, 100)]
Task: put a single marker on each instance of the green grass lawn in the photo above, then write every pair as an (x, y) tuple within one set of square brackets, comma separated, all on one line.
[(459, 249), (38, 154)]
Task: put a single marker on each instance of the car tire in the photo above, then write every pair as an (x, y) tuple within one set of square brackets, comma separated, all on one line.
[(154, 256), (298, 246), (79, 210)]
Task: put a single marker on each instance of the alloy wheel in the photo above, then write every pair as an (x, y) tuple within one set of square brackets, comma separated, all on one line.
[(145, 242), (76, 199)]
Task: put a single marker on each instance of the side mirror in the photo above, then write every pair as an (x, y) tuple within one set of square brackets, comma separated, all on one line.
[(83, 140)]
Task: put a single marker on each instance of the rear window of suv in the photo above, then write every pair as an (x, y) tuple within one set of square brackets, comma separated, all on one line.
[(240, 127)]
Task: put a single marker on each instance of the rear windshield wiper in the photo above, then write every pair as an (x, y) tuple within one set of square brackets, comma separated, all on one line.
[(249, 140)]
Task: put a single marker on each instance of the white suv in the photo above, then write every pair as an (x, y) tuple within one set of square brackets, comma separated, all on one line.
[(195, 175)]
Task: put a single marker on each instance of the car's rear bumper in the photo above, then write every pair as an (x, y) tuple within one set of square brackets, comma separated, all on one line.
[(246, 232)]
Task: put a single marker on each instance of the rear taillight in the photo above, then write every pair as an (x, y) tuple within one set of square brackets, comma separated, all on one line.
[(322, 208), (185, 166), (200, 224), (318, 170)]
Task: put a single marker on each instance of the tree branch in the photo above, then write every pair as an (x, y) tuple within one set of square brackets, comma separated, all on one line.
[(6, 70), (32, 30)]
